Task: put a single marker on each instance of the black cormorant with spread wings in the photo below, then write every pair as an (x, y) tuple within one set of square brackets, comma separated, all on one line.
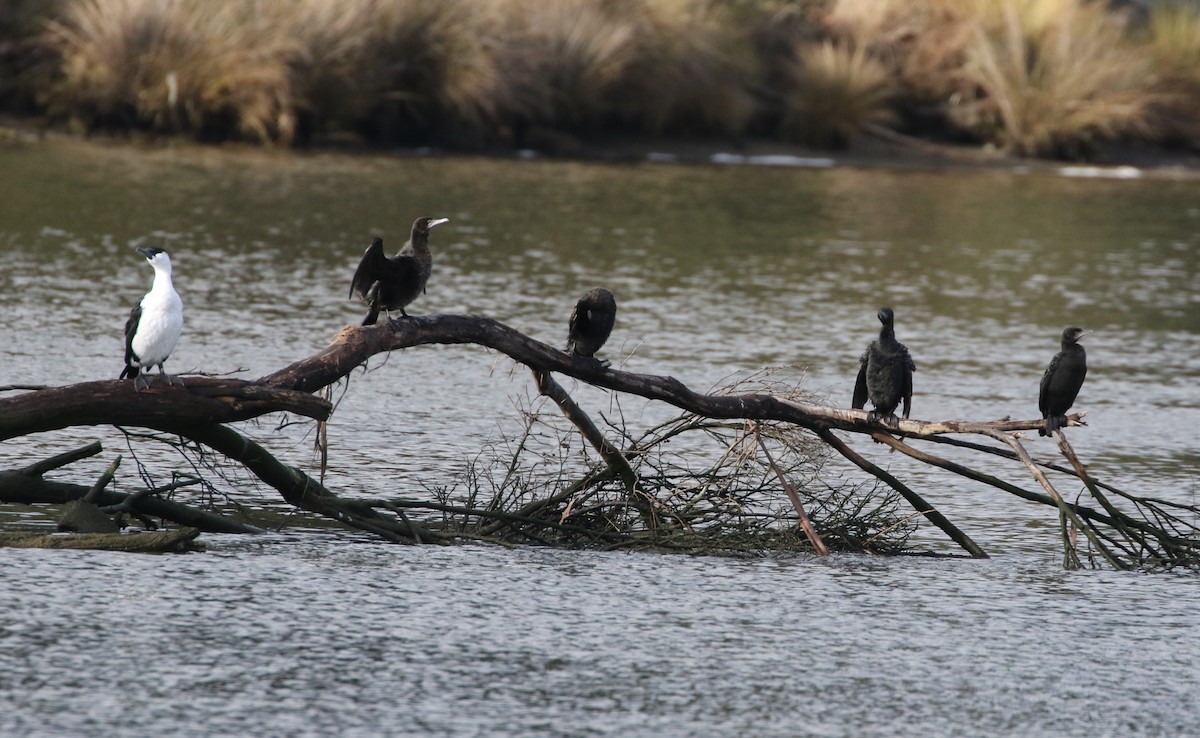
[(392, 283)]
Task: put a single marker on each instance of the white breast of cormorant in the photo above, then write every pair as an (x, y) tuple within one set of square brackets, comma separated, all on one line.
[(161, 321)]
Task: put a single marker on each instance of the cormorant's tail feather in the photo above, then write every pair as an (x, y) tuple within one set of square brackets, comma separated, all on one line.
[(129, 372), (372, 316)]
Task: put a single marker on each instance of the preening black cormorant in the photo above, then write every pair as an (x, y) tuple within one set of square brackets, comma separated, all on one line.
[(393, 283), (885, 373), (1062, 380), (154, 324), (591, 322)]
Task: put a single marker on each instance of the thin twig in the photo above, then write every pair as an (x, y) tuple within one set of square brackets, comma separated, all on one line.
[(813, 537)]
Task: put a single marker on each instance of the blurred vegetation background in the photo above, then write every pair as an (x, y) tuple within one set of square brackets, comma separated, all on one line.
[(1045, 78)]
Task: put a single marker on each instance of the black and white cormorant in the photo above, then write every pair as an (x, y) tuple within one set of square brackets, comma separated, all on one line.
[(885, 373), (154, 323), (1062, 380), (393, 283), (591, 323)]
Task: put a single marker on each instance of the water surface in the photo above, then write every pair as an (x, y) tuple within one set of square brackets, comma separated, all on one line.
[(718, 271)]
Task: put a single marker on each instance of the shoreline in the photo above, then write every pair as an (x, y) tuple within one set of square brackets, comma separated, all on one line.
[(880, 149)]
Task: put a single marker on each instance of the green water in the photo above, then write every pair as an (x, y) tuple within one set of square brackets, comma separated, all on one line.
[(718, 271)]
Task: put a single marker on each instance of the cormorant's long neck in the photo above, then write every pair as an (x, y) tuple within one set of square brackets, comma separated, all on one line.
[(420, 244), (162, 281), (420, 251), (887, 334)]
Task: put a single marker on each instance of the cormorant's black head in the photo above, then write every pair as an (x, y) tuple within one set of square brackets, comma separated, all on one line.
[(157, 257), (600, 298), (1072, 335), (423, 225), (886, 316)]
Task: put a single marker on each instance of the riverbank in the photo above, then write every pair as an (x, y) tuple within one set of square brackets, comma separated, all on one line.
[(1055, 79), (881, 150)]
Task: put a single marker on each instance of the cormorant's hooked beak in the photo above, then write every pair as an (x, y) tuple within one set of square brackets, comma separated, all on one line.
[(145, 252), (438, 221)]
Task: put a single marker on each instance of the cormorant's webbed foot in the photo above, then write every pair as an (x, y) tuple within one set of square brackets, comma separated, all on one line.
[(1053, 423), (403, 314), (600, 363), (874, 416), (140, 382)]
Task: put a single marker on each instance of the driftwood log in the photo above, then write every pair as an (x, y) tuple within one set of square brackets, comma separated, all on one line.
[(175, 541), (1155, 535)]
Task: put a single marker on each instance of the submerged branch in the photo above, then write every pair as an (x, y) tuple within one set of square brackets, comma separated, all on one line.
[(300, 489), (27, 486)]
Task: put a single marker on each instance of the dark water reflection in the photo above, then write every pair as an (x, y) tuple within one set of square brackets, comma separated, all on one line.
[(718, 271)]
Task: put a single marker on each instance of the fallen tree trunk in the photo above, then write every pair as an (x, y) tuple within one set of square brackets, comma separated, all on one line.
[(354, 345), (199, 409), (114, 402)]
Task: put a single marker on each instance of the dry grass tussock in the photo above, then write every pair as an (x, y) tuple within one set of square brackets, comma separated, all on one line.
[(1036, 77), (922, 42), (174, 65), (1174, 41), (1060, 76), (652, 65), (1041, 77), (394, 69), (835, 92)]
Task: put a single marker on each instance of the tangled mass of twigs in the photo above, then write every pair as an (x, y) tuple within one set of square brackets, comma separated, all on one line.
[(699, 486), (755, 466)]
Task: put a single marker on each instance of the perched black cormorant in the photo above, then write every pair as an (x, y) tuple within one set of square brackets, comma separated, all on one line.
[(393, 283), (1062, 380), (885, 373), (591, 322), (154, 324)]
